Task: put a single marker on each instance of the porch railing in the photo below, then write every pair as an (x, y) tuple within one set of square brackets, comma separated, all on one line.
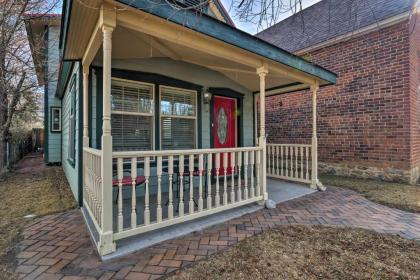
[(289, 161), (92, 185), (207, 181)]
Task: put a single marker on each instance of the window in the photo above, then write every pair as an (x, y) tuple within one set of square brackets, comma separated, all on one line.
[(178, 115), (55, 119), (72, 121), (132, 108)]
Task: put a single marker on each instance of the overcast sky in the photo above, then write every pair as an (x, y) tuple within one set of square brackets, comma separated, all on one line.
[(251, 27)]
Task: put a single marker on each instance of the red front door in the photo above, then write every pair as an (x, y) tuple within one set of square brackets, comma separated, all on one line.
[(224, 128)]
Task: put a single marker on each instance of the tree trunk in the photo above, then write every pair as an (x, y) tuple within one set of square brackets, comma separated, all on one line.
[(3, 152)]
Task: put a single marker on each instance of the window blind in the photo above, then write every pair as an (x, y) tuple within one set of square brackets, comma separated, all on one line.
[(178, 109), (132, 115), (72, 122)]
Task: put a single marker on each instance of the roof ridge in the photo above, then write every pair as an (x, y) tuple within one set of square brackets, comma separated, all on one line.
[(328, 19)]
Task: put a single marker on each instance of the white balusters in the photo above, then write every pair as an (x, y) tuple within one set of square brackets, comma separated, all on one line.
[(239, 163), (246, 175), (281, 160), (273, 162), (292, 162), (252, 173), (301, 162), (159, 190), (181, 186), (307, 163), (120, 194), (217, 165), (296, 162), (289, 161), (92, 185), (191, 172), (209, 167), (133, 192), (200, 187), (225, 166), (258, 164), (268, 158), (146, 190), (240, 169), (277, 160), (232, 172), (170, 194)]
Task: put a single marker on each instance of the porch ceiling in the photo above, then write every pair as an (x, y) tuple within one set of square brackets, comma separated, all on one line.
[(130, 44), (141, 33)]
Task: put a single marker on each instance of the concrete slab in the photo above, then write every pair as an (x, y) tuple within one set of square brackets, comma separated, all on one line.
[(281, 191), (135, 243)]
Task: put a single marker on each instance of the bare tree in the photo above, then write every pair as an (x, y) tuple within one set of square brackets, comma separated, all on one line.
[(264, 13), (17, 73)]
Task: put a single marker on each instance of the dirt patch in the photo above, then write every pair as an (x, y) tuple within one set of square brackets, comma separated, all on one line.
[(299, 252), (30, 190), (401, 196)]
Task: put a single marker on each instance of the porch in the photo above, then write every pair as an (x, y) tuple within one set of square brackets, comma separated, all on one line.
[(158, 174), (278, 190), (187, 190)]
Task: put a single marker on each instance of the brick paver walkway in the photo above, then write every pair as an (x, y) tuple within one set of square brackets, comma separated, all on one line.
[(58, 246)]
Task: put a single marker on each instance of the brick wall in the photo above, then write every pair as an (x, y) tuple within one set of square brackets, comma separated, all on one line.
[(414, 33), (364, 120)]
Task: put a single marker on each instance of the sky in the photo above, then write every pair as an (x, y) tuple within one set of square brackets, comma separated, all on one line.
[(251, 27)]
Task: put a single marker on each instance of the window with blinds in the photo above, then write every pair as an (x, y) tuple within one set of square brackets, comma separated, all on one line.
[(132, 106), (72, 122), (178, 117)]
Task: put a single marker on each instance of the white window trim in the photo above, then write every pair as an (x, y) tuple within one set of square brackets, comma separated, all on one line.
[(180, 117), (52, 119), (72, 132), (152, 115)]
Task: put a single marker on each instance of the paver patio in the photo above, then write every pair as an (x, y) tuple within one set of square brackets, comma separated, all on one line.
[(58, 246)]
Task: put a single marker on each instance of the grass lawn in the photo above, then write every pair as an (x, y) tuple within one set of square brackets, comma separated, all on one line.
[(397, 195), (42, 192), (299, 252)]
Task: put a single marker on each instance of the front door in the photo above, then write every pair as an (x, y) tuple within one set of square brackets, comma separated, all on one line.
[(225, 125)]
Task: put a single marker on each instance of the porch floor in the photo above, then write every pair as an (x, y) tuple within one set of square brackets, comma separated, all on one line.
[(279, 191)]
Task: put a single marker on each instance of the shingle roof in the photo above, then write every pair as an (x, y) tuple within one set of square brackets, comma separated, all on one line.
[(328, 19)]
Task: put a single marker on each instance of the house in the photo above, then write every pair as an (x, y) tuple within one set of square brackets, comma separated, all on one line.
[(46, 29), (158, 120), (369, 121)]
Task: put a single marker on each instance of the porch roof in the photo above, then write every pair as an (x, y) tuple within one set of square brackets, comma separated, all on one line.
[(81, 18)]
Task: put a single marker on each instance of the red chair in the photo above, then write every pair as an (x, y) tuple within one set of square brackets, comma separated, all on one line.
[(127, 181)]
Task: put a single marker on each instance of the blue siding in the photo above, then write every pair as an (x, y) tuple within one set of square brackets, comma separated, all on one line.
[(93, 112), (200, 76), (71, 169), (189, 73), (54, 139)]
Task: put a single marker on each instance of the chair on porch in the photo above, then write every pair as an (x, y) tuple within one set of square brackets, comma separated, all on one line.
[(186, 178), (127, 181)]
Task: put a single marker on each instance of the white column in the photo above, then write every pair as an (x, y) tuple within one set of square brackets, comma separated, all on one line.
[(262, 72), (85, 105), (107, 244), (315, 184)]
